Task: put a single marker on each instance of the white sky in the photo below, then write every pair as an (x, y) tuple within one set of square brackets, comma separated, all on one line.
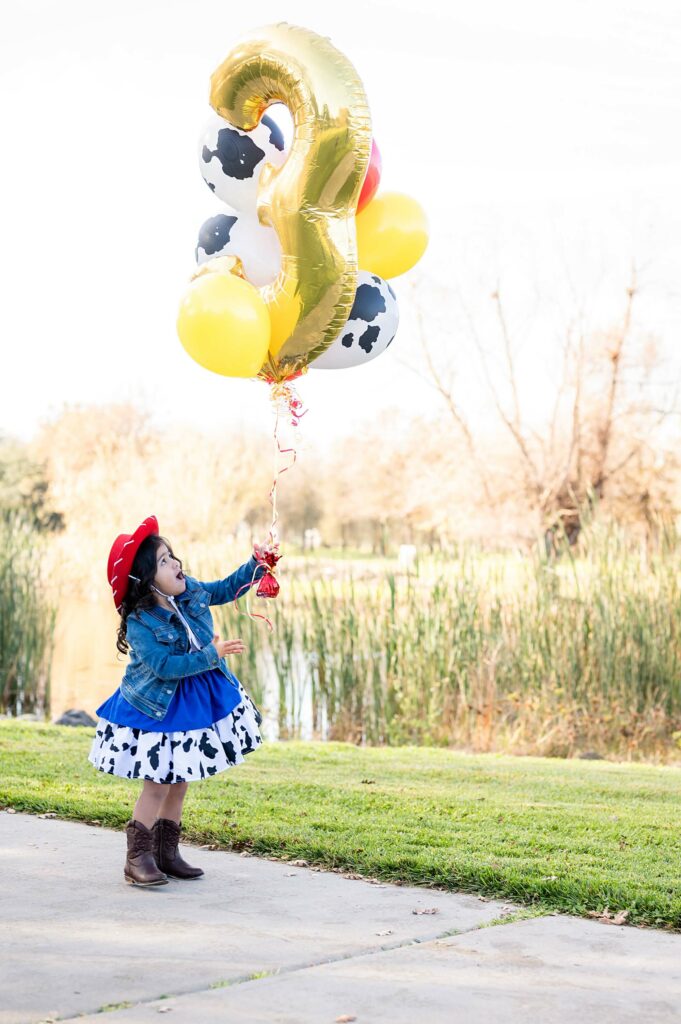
[(542, 138)]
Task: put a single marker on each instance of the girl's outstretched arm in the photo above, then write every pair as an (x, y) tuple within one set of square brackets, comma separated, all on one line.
[(224, 591)]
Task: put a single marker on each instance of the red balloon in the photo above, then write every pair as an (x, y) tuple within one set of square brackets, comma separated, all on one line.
[(373, 177)]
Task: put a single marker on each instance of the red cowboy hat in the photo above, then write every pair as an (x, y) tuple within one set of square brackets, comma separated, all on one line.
[(122, 555)]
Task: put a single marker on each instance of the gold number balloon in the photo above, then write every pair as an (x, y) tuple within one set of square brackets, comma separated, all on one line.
[(312, 198)]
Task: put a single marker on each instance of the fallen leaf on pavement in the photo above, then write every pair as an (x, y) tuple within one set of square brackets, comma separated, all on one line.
[(605, 917)]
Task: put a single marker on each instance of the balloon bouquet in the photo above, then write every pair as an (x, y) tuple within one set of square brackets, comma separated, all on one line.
[(292, 275)]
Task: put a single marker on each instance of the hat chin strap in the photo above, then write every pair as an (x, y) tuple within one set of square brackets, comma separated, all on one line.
[(190, 632), (138, 580)]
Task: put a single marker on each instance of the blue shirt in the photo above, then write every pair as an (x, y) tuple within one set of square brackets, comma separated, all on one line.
[(197, 703)]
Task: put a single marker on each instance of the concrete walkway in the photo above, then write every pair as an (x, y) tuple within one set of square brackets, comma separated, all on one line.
[(258, 940)]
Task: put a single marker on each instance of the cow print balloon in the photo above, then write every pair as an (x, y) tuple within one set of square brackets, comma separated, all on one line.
[(234, 234), (369, 329), (232, 161)]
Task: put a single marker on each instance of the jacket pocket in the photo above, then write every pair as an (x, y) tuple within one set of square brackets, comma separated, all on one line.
[(172, 638), (165, 634)]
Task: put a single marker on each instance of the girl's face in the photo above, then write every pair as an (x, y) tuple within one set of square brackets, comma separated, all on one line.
[(169, 577)]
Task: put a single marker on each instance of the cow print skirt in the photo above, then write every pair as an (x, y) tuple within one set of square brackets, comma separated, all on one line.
[(188, 755)]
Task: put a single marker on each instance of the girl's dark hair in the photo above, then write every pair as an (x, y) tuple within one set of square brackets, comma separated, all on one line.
[(140, 595)]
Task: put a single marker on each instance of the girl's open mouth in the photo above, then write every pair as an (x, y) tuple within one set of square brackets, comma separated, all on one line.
[(180, 575)]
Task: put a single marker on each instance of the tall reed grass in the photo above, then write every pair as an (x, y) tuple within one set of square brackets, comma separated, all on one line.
[(522, 654), (27, 619)]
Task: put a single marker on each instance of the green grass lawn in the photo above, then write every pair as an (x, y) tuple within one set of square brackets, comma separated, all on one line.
[(558, 835)]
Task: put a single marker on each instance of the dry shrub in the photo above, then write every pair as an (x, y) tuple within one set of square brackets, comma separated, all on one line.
[(109, 468)]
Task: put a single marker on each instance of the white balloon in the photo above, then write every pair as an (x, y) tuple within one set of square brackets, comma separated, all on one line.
[(235, 234), (369, 329), (231, 161)]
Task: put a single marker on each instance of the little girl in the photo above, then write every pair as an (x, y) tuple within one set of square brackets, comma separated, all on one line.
[(179, 714)]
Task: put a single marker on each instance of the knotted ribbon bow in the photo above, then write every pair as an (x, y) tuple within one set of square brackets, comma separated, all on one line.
[(269, 585)]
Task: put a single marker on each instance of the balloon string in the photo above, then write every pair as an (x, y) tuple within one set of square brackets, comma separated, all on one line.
[(282, 394), (279, 451)]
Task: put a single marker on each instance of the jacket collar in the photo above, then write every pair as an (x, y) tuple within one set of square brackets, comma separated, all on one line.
[(188, 597)]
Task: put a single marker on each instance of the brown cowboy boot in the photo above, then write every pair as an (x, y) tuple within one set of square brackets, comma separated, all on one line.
[(166, 836), (140, 865)]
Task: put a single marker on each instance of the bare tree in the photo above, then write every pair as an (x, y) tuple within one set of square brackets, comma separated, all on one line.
[(602, 425)]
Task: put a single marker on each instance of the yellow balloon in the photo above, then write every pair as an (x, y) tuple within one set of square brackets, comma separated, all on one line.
[(392, 234), (224, 325)]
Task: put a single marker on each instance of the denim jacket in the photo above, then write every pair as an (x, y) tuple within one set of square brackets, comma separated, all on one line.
[(160, 651)]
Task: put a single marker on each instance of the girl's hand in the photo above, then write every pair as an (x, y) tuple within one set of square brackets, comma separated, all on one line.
[(224, 647), (260, 550)]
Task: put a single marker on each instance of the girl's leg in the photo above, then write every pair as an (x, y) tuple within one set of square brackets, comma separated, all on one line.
[(173, 799), (159, 800), (167, 830), (149, 802)]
